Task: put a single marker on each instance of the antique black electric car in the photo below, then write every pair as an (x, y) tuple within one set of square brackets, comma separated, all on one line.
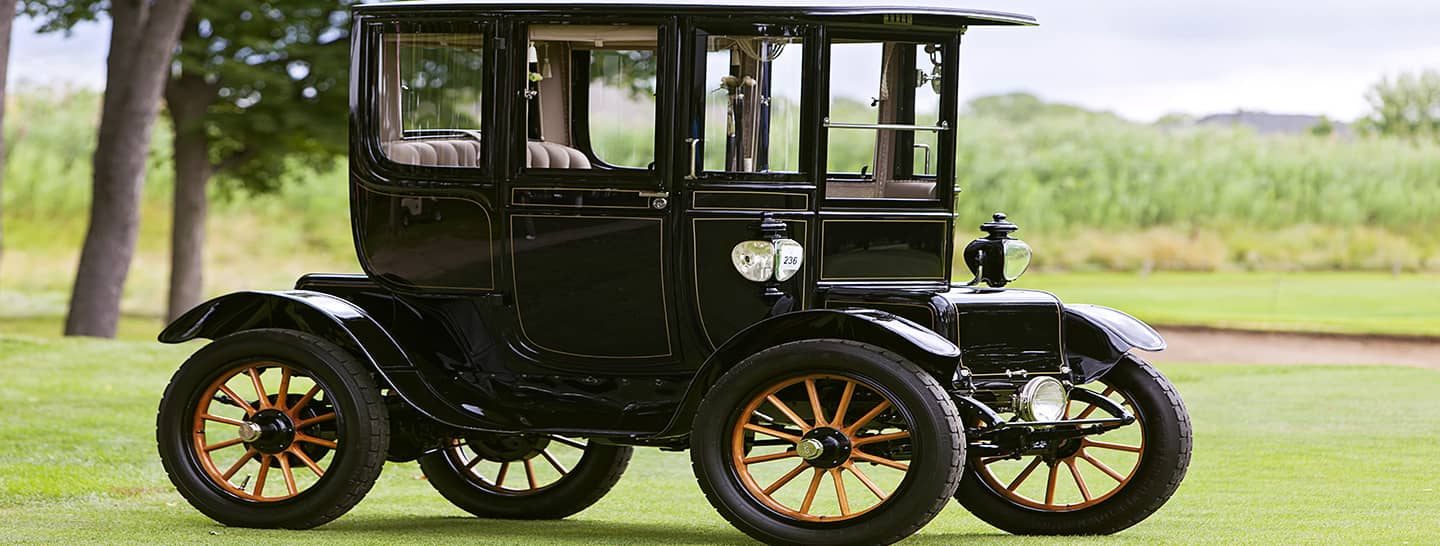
[(723, 227)]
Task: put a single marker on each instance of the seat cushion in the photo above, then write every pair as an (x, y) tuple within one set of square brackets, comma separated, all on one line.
[(549, 155)]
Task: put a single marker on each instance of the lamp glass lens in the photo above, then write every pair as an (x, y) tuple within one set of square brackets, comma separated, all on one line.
[(1017, 258), (755, 260)]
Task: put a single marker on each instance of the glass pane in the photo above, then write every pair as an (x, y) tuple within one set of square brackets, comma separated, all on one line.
[(752, 103), (884, 83), (622, 106), (432, 93)]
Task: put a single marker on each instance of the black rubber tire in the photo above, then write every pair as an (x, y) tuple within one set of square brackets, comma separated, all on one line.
[(1167, 439), (361, 423), (598, 470), (938, 443)]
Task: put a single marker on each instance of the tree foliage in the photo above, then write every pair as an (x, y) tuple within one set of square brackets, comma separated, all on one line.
[(1406, 105), (275, 74)]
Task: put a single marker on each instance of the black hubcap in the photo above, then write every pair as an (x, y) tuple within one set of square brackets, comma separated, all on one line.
[(271, 430), (826, 447), (507, 447)]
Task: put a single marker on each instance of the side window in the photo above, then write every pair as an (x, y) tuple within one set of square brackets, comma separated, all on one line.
[(591, 97), (432, 95), (752, 103), (884, 119)]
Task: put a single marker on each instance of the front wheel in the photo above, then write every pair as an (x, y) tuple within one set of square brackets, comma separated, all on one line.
[(272, 429), (827, 442), (1096, 484)]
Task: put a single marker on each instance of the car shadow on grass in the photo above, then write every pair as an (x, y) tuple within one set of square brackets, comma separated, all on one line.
[(520, 531)]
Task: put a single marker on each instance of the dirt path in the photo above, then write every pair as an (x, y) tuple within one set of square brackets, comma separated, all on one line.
[(1230, 346)]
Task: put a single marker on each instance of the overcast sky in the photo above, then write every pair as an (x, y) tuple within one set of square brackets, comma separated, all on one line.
[(1138, 58)]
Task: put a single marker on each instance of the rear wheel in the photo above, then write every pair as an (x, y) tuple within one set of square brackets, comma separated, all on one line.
[(272, 428), (524, 476), (827, 441), (1096, 484)]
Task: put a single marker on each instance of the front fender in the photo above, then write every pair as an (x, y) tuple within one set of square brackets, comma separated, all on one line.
[(1097, 337), (917, 343)]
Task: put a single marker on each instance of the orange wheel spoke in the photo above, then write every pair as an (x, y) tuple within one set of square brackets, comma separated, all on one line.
[(1050, 485), (500, 477), (264, 399), (810, 494), (530, 473), (881, 438), (879, 460), (219, 419), (1102, 466), (559, 467), (771, 432), (260, 478), (313, 440), (249, 454), (300, 404), (1079, 481), (224, 444), (1087, 412), (568, 442), (1034, 463), (870, 416), (472, 462), (300, 454), (879, 493), (788, 413), (815, 402), (284, 391), (316, 419), (840, 491), (249, 410), (289, 474), (1116, 447), (769, 457), (839, 420), (786, 478)]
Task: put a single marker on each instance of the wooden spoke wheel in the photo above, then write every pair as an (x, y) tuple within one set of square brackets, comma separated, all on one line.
[(840, 436), (827, 441), (1094, 484), (524, 476), (272, 428), (240, 439)]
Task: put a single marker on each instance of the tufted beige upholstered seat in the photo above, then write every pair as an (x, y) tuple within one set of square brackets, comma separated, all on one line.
[(434, 153), (549, 155)]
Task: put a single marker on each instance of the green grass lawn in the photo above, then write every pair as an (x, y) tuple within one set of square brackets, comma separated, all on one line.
[(1354, 303), (1282, 455)]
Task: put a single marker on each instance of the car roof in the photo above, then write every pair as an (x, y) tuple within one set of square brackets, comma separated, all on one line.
[(958, 16)]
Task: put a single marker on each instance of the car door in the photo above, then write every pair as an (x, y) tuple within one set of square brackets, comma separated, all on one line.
[(589, 219)]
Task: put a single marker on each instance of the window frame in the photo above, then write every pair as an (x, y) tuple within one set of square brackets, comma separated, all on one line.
[(944, 158), (600, 173), (701, 29), (372, 97)]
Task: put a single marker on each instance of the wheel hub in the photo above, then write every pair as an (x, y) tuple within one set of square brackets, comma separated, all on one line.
[(268, 431), (507, 447), (824, 447)]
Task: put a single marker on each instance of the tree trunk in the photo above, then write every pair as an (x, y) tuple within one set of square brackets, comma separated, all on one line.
[(142, 39), (7, 16), (188, 98)]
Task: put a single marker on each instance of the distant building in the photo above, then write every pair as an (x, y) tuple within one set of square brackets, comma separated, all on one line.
[(1274, 124)]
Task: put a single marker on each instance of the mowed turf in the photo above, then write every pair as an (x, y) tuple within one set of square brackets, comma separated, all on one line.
[(1328, 455), (1335, 302)]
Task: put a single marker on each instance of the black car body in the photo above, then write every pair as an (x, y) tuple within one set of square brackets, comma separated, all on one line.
[(518, 280)]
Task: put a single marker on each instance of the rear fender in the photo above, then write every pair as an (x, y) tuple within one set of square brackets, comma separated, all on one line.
[(332, 318), (917, 343), (1097, 337)]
